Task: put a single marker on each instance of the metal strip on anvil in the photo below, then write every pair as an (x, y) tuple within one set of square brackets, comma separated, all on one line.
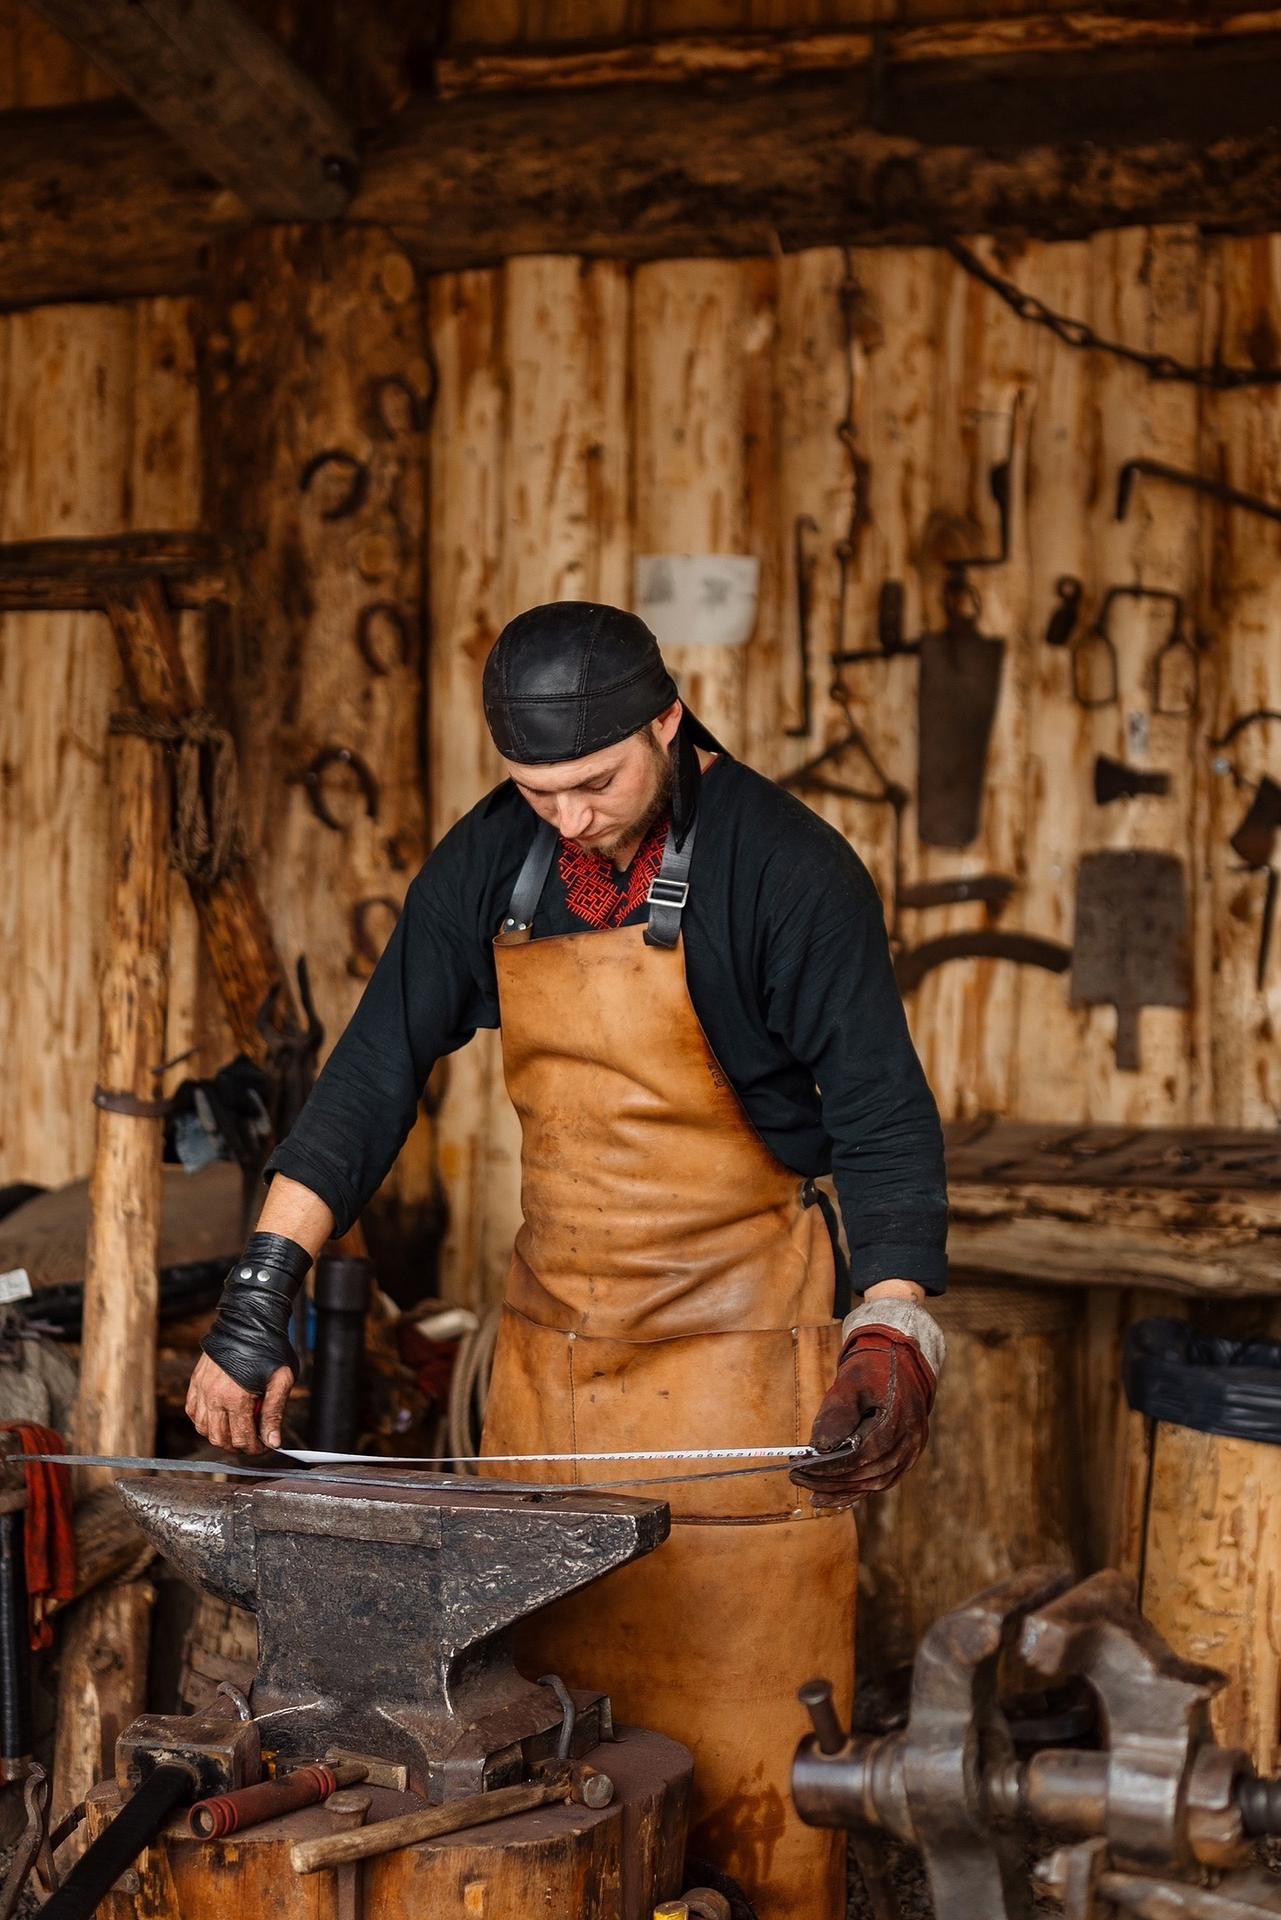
[(313, 1465)]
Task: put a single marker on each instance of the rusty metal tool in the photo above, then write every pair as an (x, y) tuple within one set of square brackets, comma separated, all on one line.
[(989, 889), (249, 1806), (436, 1573), (1255, 843), (1156, 1808), (912, 964), (960, 683), (803, 565), (432, 1823), (1063, 622), (1130, 944), (1116, 780), (1213, 489), (1095, 678)]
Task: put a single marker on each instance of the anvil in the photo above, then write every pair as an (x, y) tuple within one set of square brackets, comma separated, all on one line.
[(384, 1613)]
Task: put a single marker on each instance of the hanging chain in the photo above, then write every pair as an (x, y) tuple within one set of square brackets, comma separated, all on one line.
[(1078, 333)]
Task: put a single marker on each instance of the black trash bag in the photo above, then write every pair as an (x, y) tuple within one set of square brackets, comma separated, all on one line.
[(1191, 1379)]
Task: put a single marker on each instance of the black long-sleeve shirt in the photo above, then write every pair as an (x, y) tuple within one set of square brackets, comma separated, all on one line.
[(789, 973)]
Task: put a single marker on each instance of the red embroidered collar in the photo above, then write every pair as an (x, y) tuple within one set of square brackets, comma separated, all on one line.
[(596, 893)]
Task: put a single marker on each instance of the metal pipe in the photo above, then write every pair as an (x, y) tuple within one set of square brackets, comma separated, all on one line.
[(342, 1292), (15, 1642)]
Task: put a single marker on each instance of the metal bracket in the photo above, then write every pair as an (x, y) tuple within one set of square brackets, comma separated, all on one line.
[(1218, 490)]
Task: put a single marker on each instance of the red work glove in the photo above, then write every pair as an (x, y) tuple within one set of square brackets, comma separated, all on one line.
[(883, 1392)]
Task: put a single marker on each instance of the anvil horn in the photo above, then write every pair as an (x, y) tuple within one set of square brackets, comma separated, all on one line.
[(207, 1532)]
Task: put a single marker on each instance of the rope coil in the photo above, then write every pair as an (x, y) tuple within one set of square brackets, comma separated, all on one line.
[(205, 839)]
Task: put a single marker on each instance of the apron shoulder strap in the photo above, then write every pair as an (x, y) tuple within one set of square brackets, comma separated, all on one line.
[(669, 891), (530, 881)]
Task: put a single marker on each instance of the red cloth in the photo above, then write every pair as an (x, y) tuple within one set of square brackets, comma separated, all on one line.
[(48, 1533), (592, 890)]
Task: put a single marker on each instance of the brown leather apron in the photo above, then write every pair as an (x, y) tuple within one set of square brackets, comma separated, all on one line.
[(670, 1288)]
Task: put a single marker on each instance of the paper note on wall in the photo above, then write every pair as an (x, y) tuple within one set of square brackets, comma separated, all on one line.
[(698, 599), (15, 1285)]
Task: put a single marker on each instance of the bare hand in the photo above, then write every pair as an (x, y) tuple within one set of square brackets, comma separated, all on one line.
[(231, 1416)]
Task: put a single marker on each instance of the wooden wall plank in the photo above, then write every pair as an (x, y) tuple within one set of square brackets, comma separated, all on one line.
[(68, 429), (698, 325), (464, 568), (1242, 445), (812, 486), (1147, 291), (165, 493), (965, 1013), (316, 346), (1060, 502)]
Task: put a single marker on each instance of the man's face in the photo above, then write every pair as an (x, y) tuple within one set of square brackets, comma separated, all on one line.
[(606, 801)]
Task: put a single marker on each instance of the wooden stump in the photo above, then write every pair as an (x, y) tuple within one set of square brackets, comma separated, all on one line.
[(999, 1486), (1211, 1566)]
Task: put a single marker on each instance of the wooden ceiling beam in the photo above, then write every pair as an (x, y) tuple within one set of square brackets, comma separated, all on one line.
[(95, 204), (226, 93), (682, 60)]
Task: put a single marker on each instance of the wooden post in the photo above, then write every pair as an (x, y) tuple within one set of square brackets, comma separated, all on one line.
[(1211, 1562), (104, 1669)]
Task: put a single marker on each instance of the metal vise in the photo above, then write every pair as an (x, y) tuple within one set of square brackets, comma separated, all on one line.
[(1153, 1812), (384, 1613)]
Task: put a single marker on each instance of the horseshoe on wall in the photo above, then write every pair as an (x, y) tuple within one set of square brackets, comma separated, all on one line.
[(358, 486)]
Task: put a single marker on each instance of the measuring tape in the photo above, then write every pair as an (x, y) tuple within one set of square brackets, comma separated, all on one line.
[(315, 1464)]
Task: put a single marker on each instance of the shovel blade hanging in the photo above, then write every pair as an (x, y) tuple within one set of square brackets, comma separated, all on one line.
[(960, 683), (1130, 947)]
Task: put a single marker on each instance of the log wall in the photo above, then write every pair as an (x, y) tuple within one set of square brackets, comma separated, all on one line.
[(738, 377), (586, 414)]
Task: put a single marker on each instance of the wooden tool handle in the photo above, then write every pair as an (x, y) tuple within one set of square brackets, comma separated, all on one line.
[(406, 1829)]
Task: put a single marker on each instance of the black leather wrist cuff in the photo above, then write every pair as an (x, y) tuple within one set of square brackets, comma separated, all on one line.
[(249, 1339), (277, 1250)]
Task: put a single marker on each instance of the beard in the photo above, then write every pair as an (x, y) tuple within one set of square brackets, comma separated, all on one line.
[(657, 808)]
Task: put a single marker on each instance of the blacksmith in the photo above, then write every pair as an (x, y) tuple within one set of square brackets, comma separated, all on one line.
[(698, 1015)]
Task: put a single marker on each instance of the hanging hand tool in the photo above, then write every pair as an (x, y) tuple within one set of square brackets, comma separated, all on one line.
[(1114, 780), (804, 563), (1254, 841), (1095, 680), (1196, 482), (816, 776), (959, 686), (990, 889), (1130, 944), (1063, 622), (979, 943)]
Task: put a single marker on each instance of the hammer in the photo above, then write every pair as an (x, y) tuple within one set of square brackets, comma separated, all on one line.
[(584, 1784)]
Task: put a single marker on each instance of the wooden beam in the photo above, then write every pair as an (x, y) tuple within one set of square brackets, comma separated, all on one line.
[(681, 60), (1196, 1210), (76, 576), (226, 93), (97, 204)]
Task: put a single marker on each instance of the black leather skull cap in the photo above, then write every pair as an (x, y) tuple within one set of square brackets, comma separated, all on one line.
[(570, 678)]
